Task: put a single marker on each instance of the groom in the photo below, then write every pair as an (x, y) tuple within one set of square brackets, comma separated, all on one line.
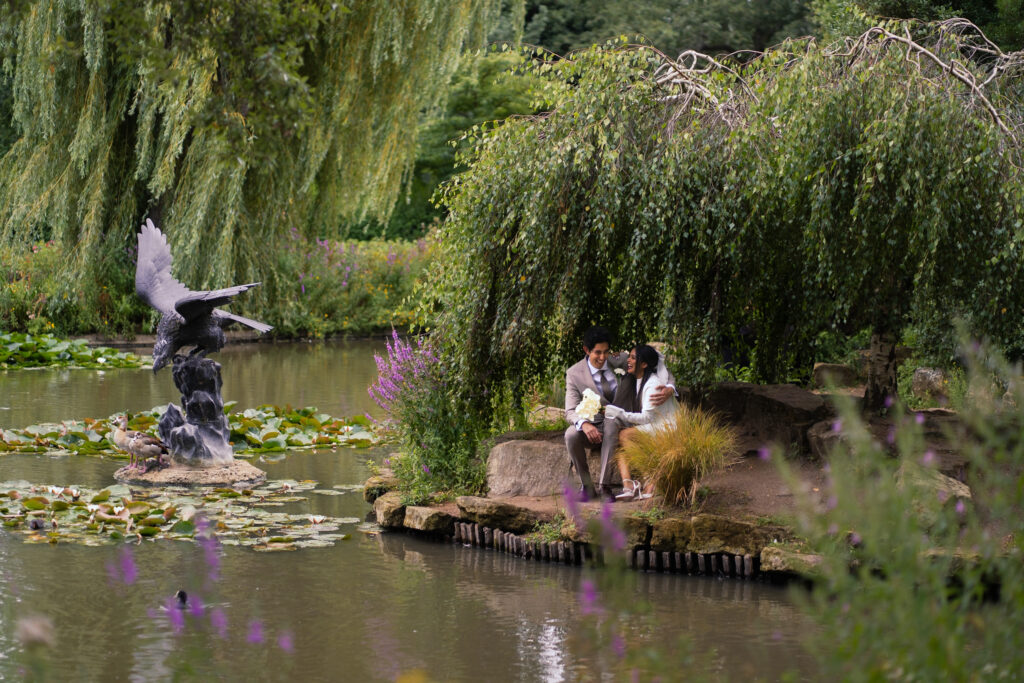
[(597, 373)]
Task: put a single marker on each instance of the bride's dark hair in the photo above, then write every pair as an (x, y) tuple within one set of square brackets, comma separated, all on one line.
[(646, 354)]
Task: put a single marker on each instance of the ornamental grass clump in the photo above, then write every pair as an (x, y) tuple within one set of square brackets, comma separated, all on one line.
[(676, 456)]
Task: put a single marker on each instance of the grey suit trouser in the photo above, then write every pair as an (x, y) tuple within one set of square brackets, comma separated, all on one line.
[(577, 444)]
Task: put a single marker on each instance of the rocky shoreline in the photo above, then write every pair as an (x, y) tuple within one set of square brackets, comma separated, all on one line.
[(743, 529)]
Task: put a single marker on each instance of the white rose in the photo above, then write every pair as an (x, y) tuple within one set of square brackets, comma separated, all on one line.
[(589, 406), (620, 372)]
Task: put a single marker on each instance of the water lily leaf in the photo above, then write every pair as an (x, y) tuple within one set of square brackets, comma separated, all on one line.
[(149, 530), (138, 507), (183, 527), (101, 496), (153, 521), (37, 503), (59, 505)]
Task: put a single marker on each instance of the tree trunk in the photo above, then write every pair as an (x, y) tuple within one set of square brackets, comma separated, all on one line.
[(881, 372)]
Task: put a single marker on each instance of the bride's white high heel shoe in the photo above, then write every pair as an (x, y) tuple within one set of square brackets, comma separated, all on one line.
[(630, 491)]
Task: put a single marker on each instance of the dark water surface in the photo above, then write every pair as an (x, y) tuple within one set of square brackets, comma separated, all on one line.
[(370, 608)]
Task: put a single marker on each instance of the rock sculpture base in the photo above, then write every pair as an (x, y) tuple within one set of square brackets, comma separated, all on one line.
[(238, 473), (199, 436)]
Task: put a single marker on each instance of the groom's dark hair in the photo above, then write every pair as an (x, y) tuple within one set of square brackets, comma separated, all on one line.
[(596, 335)]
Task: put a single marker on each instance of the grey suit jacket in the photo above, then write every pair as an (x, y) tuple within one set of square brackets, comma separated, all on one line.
[(578, 378)]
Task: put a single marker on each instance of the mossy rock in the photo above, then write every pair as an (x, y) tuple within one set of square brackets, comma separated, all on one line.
[(778, 560), (717, 534), (379, 484), (672, 534)]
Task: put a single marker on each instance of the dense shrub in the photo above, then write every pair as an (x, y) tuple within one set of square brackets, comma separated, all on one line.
[(326, 288), (437, 434)]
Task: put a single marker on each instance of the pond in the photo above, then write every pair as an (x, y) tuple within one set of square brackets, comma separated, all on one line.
[(372, 607)]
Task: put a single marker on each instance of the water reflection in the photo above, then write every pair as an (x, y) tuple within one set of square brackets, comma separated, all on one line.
[(368, 608), (332, 376)]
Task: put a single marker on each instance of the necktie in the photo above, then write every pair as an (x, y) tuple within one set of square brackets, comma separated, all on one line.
[(606, 388)]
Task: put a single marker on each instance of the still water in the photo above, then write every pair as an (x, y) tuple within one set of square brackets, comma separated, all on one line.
[(371, 608)]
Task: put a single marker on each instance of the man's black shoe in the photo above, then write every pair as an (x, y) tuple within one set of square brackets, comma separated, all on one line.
[(607, 494)]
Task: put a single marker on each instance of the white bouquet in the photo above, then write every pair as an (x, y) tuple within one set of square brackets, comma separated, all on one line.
[(590, 406)]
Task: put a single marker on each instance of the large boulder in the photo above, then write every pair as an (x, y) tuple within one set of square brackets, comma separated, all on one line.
[(822, 439), (767, 414), (833, 375), (498, 515), (929, 490), (537, 466), (930, 383), (717, 534), (389, 510), (429, 520)]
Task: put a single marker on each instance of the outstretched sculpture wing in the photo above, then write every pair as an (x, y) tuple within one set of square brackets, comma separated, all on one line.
[(202, 303), (153, 280)]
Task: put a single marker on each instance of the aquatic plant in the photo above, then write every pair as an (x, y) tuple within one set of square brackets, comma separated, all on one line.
[(42, 513), (264, 429), (19, 350)]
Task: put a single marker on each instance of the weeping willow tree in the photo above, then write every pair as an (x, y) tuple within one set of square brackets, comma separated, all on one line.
[(875, 182), (230, 122)]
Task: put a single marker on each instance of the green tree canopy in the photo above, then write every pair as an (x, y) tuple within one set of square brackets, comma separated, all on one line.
[(228, 121), (711, 204), (488, 88), (712, 26)]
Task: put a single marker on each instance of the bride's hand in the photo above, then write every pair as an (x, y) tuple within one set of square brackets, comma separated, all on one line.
[(613, 411)]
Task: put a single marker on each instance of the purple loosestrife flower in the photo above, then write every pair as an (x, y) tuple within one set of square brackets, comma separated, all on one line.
[(195, 606), (255, 635), (919, 418), (285, 642), (888, 401), (426, 470), (129, 572), (572, 505), (618, 646), (960, 507), (589, 603), (175, 615), (837, 426), (219, 622), (928, 458), (764, 453), (613, 537)]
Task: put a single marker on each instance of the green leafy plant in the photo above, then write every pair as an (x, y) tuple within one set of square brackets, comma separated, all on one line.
[(255, 430), (921, 575), (33, 351), (677, 455)]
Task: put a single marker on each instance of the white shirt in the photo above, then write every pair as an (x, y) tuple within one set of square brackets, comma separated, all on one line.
[(596, 374)]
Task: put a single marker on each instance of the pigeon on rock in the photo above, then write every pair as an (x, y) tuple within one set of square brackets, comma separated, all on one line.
[(188, 318)]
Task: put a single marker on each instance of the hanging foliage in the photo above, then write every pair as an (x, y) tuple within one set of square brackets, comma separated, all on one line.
[(226, 121), (742, 208)]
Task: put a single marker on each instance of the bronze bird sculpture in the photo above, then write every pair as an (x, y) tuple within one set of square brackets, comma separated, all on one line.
[(139, 446), (188, 318)]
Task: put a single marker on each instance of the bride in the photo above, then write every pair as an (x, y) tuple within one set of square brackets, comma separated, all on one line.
[(642, 364)]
